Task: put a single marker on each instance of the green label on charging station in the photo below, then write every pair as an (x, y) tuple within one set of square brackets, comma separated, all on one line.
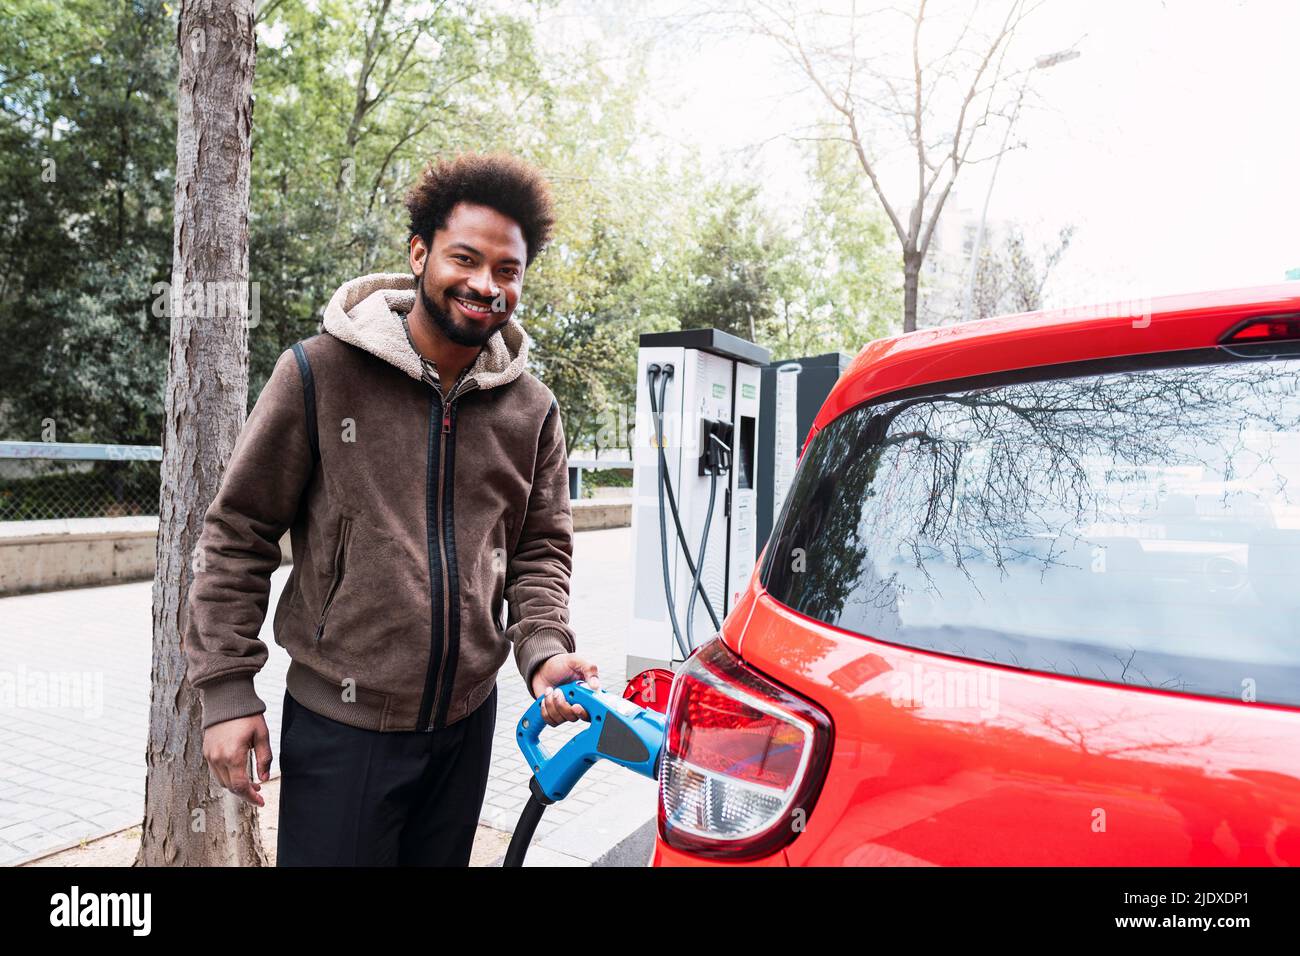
[(719, 390), (746, 390)]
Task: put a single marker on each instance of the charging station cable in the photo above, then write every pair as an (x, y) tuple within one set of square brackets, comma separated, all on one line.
[(655, 373), (652, 372), (718, 467)]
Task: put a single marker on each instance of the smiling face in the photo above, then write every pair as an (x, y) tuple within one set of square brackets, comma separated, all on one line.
[(471, 274)]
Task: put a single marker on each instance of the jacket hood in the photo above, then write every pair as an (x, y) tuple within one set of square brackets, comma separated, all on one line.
[(366, 312)]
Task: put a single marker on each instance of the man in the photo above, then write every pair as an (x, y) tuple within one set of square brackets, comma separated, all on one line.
[(422, 474)]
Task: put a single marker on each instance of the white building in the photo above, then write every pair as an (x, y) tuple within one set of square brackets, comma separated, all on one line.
[(947, 265)]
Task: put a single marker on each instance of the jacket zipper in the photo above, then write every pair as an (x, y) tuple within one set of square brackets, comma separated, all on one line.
[(340, 557), (442, 564), (435, 679)]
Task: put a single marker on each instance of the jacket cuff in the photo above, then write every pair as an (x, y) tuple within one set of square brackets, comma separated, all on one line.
[(227, 698), (543, 644)]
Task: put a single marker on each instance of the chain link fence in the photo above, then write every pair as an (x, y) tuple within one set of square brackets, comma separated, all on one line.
[(51, 480)]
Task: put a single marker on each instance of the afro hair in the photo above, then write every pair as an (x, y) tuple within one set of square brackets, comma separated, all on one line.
[(500, 181)]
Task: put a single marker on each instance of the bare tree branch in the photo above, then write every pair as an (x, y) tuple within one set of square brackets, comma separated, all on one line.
[(906, 103)]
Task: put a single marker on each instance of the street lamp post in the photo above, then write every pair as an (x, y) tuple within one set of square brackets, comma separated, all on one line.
[(1042, 63)]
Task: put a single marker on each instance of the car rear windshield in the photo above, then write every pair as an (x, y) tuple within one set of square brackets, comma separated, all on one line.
[(1139, 527)]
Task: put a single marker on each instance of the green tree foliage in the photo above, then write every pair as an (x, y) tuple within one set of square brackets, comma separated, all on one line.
[(845, 284), (826, 281), (730, 282), (88, 136)]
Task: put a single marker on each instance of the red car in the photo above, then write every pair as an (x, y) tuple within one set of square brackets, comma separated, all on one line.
[(1033, 598)]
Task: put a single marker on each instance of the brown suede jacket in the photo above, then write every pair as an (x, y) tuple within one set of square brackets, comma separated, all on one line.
[(419, 519)]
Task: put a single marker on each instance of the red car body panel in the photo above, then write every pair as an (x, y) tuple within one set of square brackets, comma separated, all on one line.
[(1048, 769)]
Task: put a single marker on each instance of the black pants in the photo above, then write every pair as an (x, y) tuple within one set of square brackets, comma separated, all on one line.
[(353, 797)]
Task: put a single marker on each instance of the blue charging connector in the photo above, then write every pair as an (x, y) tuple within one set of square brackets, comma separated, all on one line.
[(618, 730)]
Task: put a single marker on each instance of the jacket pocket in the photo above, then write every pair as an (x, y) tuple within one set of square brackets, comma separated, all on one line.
[(499, 617), (340, 568)]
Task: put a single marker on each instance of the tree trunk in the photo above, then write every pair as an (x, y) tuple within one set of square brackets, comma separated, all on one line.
[(911, 287), (189, 819)]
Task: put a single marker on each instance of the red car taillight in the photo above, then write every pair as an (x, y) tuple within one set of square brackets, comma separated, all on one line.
[(1263, 336), (1274, 328), (743, 762)]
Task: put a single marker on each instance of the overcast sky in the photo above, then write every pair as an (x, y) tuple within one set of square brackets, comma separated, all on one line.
[(1171, 144)]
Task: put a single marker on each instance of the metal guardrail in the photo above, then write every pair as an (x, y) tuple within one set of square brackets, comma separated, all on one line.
[(578, 465), (76, 451)]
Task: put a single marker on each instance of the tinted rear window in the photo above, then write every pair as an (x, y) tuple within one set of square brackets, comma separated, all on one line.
[(1137, 527)]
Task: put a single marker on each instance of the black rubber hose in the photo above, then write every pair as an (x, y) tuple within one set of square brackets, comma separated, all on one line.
[(704, 543), (524, 831), (651, 373), (672, 501)]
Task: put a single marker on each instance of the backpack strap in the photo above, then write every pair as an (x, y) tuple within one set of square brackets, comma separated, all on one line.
[(309, 399)]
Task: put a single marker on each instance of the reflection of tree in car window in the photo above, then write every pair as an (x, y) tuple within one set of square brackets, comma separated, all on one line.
[(1134, 526)]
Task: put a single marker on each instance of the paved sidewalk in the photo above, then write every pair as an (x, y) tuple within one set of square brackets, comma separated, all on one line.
[(74, 711)]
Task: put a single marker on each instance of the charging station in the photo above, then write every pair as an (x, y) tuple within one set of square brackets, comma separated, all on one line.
[(791, 395), (694, 489)]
